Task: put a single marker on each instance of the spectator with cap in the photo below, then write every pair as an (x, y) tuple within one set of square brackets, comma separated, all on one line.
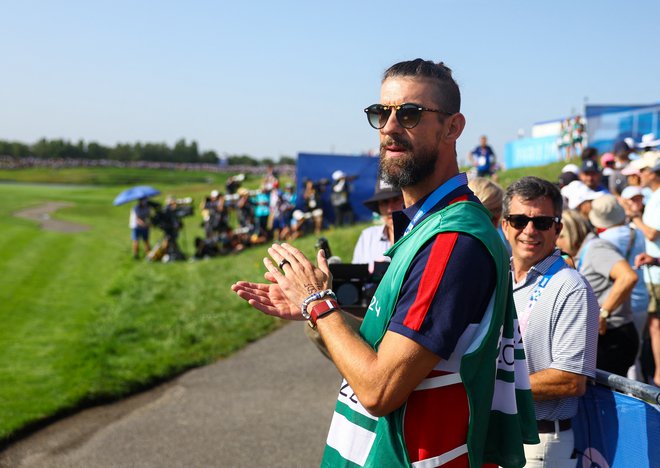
[(591, 176), (571, 168), (375, 240), (566, 178), (617, 180), (649, 142), (339, 198), (612, 279), (607, 163), (649, 224), (629, 242), (631, 173), (579, 197)]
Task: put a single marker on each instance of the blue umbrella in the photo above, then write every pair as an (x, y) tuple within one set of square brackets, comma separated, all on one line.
[(135, 193)]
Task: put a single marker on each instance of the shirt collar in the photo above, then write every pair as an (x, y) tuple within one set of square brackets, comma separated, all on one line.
[(402, 218), (540, 268)]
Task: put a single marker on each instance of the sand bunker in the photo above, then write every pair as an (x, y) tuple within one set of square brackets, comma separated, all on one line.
[(41, 214)]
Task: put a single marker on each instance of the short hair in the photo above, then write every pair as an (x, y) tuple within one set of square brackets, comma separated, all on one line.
[(589, 153), (490, 194), (449, 96), (530, 188)]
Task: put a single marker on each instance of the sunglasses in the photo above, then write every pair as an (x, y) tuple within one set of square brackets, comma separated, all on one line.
[(541, 223), (407, 114)]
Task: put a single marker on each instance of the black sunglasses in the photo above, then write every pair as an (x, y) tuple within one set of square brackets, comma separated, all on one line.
[(407, 114), (541, 223)]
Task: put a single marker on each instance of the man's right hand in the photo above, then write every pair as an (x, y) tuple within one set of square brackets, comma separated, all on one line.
[(267, 298)]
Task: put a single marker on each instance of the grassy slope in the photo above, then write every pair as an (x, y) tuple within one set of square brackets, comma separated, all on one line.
[(81, 322)]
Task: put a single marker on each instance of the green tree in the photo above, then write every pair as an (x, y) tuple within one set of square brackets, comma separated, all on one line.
[(287, 160), (97, 151)]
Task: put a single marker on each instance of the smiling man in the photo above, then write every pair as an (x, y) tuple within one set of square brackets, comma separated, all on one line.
[(432, 378), (557, 314)]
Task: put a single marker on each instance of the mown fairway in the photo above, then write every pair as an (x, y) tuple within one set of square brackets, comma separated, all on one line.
[(81, 322)]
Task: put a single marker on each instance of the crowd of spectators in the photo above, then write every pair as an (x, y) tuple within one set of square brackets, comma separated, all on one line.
[(239, 218)]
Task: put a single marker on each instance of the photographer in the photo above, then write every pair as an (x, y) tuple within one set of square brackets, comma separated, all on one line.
[(313, 206), (339, 199), (169, 220)]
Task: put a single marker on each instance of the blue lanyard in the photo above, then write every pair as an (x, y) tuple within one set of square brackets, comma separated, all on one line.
[(523, 317), (438, 194)]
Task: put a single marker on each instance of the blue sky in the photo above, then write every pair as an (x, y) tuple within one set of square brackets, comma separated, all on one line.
[(277, 78)]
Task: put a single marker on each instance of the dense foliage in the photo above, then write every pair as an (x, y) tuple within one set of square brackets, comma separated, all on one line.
[(182, 152)]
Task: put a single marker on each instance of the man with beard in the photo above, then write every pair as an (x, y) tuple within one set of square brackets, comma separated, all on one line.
[(436, 374)]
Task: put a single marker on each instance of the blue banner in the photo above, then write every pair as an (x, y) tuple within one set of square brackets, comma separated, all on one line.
[(530, 152), (614, 430)]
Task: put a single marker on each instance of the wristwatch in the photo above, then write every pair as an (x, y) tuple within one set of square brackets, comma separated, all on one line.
[(321, 309), (314, 297), (604, 313)]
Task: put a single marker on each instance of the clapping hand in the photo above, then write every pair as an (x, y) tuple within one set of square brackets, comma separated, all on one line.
[(289, 284)]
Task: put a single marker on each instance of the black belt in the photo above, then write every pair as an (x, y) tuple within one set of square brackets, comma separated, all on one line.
[(545, 426)]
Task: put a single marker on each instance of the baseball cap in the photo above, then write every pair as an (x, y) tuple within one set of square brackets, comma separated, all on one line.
[(606, 158), (649, 141), (338, 175), (649, 159), (566, 178), (606, 212), (631, 191), (577, 193), (571, 168), (214, 193), (383, 191), (589, 165), (629, 170)]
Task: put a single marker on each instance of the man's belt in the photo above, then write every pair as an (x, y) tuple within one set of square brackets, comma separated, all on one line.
[(546, 426)]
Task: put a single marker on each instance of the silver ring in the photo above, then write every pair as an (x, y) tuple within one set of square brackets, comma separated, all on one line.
[(284, 262)]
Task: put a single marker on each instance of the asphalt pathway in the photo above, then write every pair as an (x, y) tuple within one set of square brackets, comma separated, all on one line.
[(270, 404)]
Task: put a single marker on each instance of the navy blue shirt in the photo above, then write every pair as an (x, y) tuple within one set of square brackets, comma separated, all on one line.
[(438, 299)]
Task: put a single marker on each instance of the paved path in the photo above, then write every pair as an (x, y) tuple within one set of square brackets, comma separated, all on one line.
[(42, 213), (268, 405)]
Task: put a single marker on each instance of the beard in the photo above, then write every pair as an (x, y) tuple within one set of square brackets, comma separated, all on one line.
[(408, 169)]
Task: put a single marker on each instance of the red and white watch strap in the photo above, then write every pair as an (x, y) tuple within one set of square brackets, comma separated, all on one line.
[(322, 308)]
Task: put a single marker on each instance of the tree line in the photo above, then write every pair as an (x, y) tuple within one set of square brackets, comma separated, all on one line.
[(182, 152)]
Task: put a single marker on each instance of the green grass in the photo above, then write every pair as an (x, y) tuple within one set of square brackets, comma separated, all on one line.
[(81, 322)]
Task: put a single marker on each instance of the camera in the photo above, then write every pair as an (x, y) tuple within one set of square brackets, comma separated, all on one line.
[(353, 283), (168, 218)]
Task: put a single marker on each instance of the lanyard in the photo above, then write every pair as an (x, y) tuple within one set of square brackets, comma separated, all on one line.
[(523, 318), (438, 194)]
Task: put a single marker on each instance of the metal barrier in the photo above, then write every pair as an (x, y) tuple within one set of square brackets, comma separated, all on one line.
[(643, 391)]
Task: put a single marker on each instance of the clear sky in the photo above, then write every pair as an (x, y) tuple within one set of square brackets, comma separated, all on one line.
[(272, 78)]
